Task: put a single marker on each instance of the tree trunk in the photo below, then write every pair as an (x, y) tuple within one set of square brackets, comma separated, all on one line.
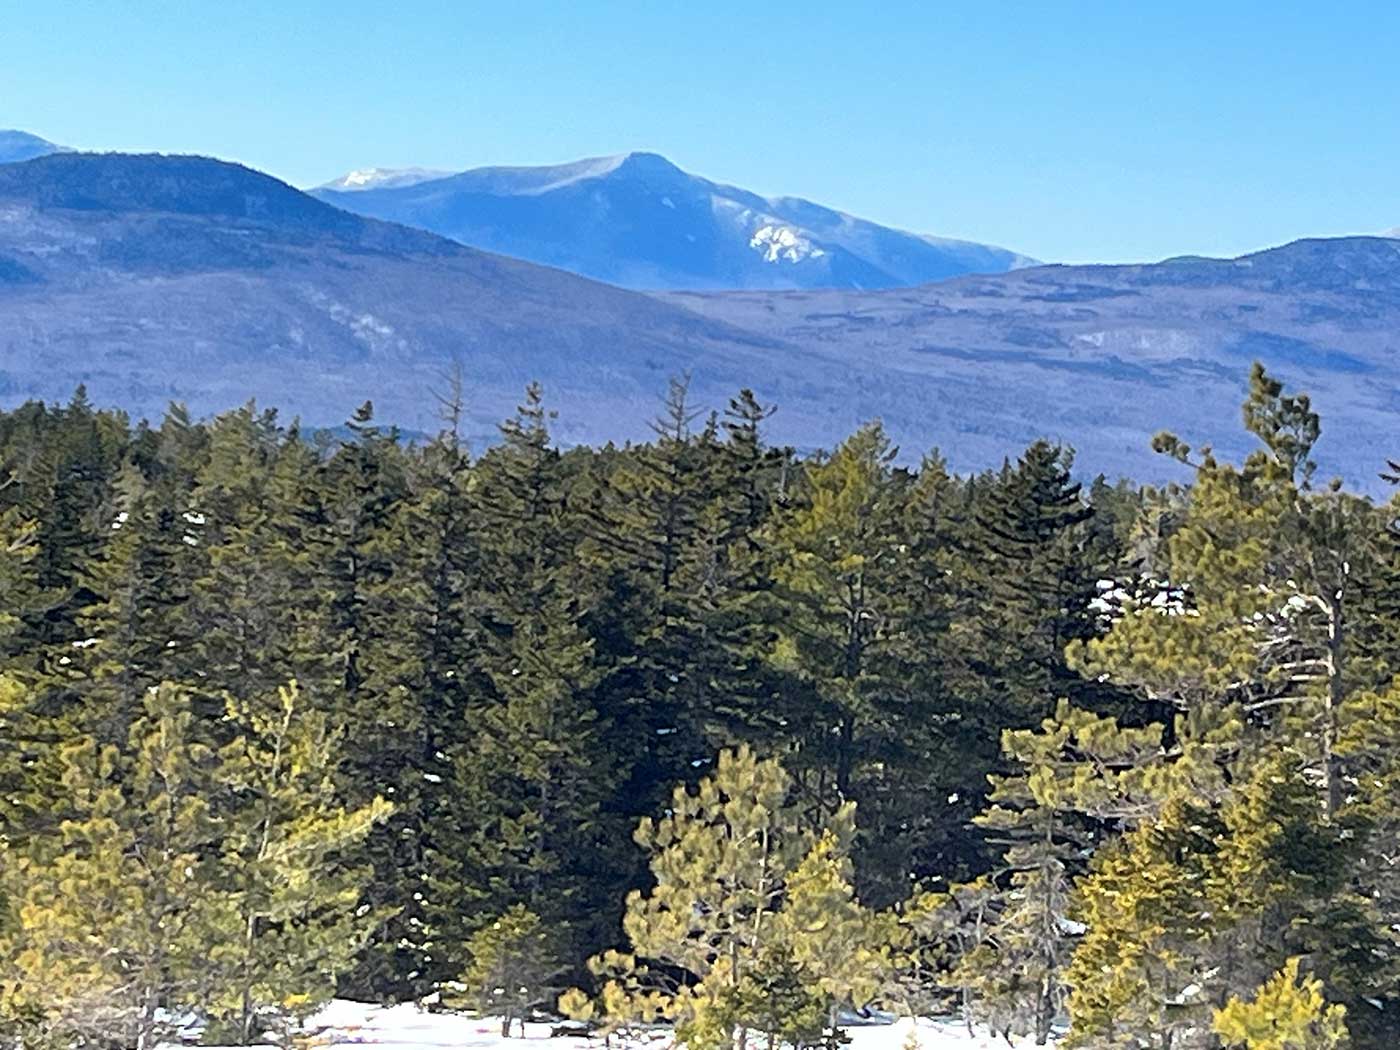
[(146, 1021), (1336, 692)]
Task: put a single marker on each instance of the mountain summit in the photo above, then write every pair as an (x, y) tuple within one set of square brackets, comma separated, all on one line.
[(638, 221), (20, 145)]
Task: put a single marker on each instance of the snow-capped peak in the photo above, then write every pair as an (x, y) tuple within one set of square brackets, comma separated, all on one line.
[(383, 178)]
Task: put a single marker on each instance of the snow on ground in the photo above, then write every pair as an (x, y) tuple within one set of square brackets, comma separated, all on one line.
[(405, 1027)]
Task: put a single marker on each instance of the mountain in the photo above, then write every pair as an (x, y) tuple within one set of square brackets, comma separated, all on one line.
[(383, 178), (1100, 357), (16, 146), (152, 278), (640, 222)]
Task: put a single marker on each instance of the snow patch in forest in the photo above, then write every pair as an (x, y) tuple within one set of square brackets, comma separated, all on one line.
[(406, 1027)]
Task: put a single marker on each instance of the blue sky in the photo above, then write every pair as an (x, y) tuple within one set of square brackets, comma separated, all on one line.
[(1069, 131)]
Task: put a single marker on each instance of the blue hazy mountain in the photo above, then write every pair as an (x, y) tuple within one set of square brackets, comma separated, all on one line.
[(638, 221), (20, 145), (152, 278), (1100, 357)]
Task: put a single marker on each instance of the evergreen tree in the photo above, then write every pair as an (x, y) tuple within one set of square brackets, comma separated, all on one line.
[(842, 549), (1141, 972), (292, 901), (255, 618), (649, 517), (722, 860), (1076, 778), (1257, 607), (18, 578), (513, 966), (530, 776), (1031, 567), (112, 918), (1286, 1014), (129, 637)]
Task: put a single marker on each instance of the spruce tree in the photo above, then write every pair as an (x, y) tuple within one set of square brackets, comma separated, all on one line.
[(649, 517), (529, 774), (1030, 569)]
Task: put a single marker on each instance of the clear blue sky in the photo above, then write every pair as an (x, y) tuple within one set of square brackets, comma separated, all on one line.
[(1070, 131)]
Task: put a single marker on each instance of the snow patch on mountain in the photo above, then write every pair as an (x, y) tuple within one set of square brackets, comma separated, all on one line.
[(781, 244), (383, 178)]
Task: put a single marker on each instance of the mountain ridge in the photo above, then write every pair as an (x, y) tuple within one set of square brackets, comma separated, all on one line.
[(152, 278), (639, 221)]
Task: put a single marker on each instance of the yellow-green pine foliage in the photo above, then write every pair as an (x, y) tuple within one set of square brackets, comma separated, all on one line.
[(723, 859), (292, 902), (1075, 769), (834, 943), (113, 915), (1141, 972), (1260, 596), (513, 965), (1285, 1014)]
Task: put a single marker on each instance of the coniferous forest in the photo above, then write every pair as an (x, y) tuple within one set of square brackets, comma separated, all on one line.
[(699, 730)]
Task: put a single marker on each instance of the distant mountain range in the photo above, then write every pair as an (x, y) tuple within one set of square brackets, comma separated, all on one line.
[(1100, 357), (153, 278), (640, 222)]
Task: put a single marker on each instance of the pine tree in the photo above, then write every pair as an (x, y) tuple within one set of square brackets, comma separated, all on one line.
[(113, 921), (1141, 973), (513, 968), (293, 901), (1285, 1014), (1074, 774), (841, 562), (833, 942), (1262, 576), (722, 858)]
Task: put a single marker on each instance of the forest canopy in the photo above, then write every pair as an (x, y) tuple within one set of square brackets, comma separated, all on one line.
[(287, 714)]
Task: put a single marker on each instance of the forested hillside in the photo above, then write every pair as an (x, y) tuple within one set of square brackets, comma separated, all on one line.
[(758, 734)]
